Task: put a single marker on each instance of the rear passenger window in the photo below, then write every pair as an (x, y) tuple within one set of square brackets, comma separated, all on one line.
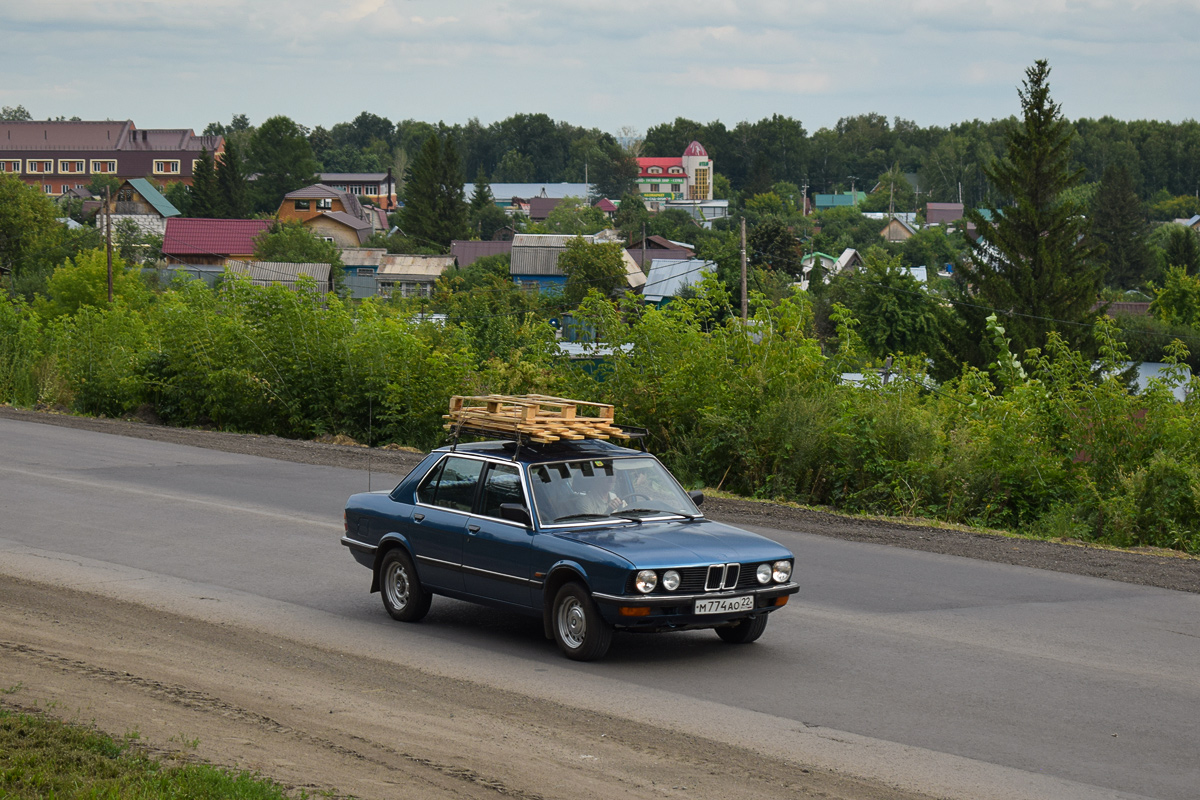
[(455, 486), (503, 485)]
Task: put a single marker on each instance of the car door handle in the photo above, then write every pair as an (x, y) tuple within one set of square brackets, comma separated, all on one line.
[(473, 528), (418, 517)]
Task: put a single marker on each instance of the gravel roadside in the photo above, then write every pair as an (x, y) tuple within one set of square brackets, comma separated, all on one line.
[(1147, 567)]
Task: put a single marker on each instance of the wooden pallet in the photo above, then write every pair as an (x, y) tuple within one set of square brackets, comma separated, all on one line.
[(540, 417)]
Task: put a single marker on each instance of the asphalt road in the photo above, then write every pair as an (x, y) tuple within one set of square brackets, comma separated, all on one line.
[(1087, 686)]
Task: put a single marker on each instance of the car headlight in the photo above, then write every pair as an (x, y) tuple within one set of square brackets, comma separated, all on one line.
[(647, 579), (671, 580), (781, 571), (763, 573)]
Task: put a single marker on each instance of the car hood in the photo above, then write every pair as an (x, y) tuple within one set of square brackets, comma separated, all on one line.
[(678, 543)]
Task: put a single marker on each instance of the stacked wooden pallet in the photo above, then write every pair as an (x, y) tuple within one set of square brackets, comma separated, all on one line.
[(539, 417)]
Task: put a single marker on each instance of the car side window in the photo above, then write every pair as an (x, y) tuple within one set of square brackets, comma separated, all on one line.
[(502, 485), (428, 488), (455, 486)]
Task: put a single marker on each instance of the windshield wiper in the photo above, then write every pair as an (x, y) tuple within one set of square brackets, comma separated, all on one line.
[(638, 514), (570, 517)]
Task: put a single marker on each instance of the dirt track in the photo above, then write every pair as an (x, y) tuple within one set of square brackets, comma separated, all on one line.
[(339, 723)]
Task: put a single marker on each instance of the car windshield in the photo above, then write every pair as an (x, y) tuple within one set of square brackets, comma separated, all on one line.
[(600, 488)]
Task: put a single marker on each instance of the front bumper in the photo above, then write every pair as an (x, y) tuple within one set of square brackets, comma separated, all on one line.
[(656, 612)]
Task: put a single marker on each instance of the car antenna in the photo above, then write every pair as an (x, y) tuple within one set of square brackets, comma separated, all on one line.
[(369, 433)]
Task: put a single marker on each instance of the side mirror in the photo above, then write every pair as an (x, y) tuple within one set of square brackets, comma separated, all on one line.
[(697, 496), (515, 512)]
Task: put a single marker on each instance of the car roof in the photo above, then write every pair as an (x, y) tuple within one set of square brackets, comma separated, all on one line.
[(536, 453)]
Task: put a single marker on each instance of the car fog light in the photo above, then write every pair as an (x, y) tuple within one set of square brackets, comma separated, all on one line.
[(647, 579), (763, 573), (782, 571), (671, 580)]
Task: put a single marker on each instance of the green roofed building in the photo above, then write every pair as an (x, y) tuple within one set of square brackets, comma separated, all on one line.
[(138, 200)]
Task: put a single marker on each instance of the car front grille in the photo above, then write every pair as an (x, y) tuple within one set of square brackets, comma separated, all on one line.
[(713, 578)]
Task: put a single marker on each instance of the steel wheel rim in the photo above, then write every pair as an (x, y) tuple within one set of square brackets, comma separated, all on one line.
[(572, 623), (396, 585)]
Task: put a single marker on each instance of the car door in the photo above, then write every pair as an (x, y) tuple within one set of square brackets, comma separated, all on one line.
[(497, 553), (439, 521)]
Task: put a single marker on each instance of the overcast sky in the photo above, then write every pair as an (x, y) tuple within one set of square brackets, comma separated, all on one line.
[(603, 63)]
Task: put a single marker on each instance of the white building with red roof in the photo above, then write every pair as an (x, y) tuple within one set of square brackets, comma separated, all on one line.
[(689, 177)]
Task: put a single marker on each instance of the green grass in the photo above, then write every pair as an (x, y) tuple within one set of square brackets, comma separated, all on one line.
[(45, 758)]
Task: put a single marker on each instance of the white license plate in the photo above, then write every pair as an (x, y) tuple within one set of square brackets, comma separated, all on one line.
[(725, 605)]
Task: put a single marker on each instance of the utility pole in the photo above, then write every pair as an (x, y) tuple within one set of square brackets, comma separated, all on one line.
[(108, 236), (743, 269)]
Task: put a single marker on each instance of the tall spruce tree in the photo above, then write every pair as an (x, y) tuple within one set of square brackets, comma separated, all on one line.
[(231, 180), (1031, 259), (1119, 229), (206, 197), (482, 197), (435, 211)]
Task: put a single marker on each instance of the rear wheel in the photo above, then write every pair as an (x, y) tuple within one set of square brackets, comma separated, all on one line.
[(580, 631), (403, 596), (745, 631)]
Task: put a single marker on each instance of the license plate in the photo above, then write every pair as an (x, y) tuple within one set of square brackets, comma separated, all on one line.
[(725, 605)]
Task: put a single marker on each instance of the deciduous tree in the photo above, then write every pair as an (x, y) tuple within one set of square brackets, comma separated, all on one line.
[(281, 155), (590, 266)]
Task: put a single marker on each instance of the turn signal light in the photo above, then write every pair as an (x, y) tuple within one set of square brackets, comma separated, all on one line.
[(781, 601), (635, 611)]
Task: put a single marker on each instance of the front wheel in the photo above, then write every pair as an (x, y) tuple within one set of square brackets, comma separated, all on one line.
[(580, 631), (403, 596), (745, 631)]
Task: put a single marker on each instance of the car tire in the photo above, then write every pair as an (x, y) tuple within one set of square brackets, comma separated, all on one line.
[(745, 631), (403, 596), (581, 633)]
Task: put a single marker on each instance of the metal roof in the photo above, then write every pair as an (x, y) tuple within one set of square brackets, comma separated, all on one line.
[(505, 191), (154, 197), (467, 251), (212, 237), (108, 135), (668, 276), (268, 272)]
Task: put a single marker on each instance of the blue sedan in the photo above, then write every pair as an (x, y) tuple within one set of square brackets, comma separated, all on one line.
[(590, 536)]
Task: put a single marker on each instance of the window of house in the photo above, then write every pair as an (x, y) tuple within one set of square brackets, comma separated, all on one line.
[(302, 205), (101, 167), (675, 170), (356, 189), (370, 188), (69, 167), (325, 203), (328, 239), (654, 187), (700, 187), (38, 167), (10, 166), (47, 188), (166, 167), (655, 170)]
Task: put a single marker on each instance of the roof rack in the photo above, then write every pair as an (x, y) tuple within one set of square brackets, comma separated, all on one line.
[(534, 418)]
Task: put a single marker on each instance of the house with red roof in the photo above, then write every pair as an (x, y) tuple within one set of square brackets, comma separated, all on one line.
[(688, 177), (192, 240), (64, 155)]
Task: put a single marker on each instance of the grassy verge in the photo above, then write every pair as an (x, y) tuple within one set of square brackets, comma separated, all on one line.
[(42, 757)]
